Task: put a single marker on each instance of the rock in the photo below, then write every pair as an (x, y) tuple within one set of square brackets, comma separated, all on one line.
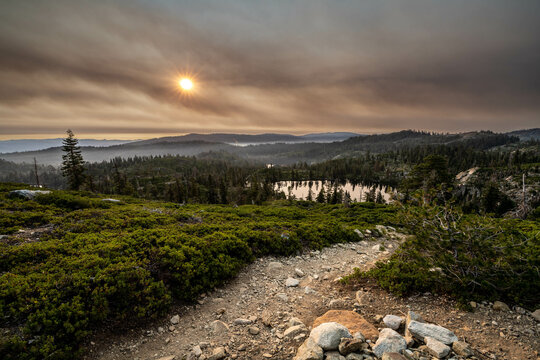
[(170, 357), (175, 319), (359, 233), (347, 346), (462, 348), (219, 327), (267, 356), (308, 290), (536, 314), (290, 282), (436, 348), (282, 297), (358, 335), (241, 321), (376, 247), (354, 357), (381, 229), (392, 321), (27, 194), (421, 330), (411, 315), (295, 330), (389, 341), (295, 321), (328, 335), (354, 322), (299, 272), (111, 200), (473, 304), (393, 356), (500, 306), (267, 317), (337, 304), (333, 355), (197, 351), (274, 265), (253, 330), (309, 350), (218, 354)]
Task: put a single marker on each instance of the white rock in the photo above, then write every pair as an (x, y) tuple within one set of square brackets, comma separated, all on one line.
[(175, 319), (436, 348), (328, 335), (299, 272), (389, 341), (392, 321), (421, 330), (295, 330), (291, 282), (197, 351), (274, 265)]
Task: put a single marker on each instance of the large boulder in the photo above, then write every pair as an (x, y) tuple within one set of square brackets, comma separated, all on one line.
[(354, 322), (422, 330), (328, 335), (27, 194), (389, 341), (309, 350)]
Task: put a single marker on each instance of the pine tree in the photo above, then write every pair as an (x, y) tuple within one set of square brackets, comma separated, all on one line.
[(73, 163)]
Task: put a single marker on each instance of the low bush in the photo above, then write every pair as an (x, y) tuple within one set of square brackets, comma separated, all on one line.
[(469, 257)]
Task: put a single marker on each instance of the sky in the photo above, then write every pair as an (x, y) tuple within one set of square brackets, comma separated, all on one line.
[(110, 69)]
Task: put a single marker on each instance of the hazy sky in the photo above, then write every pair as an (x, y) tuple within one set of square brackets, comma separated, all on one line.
[(109, 69)]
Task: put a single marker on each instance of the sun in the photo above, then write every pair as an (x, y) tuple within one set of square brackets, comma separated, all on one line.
[(186, 84)]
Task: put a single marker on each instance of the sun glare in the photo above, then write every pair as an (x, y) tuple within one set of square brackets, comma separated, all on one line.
[(186, 84)]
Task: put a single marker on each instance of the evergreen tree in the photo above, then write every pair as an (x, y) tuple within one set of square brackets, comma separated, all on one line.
[(72, 161)]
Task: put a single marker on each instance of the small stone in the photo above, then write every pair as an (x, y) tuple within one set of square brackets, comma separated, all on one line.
[(197, 351), (393, 356), (241, 321), (218, 354), (354, 356), (295, 321), (299, 272), (436, 348), (293, 331), (267, 355), (500, 306), (473, 304), (291, 282), (274, 265), (219, 327), (392, 321), (333, 355), (308, 290), (536, 314), (309, 350), (282, 297), (253, 330), (347, 346), (175, 319), (462, 348)]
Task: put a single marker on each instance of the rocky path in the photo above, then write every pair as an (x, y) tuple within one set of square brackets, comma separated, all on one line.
[(251, 317), (248, 316)]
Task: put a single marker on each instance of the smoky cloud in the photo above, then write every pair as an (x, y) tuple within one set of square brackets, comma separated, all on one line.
[(297, 67)]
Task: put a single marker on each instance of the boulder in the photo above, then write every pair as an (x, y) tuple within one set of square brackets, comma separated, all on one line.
[(462, 349), (421, 330), (27, 194), (436, 348), (500, 306), (389, 341), (347, 346), (328, 335), (392, 321), (309, 350), (354, 322), (291, 282)]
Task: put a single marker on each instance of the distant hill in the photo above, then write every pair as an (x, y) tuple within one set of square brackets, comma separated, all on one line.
[(524, 135), (11, 146), (277, 148)]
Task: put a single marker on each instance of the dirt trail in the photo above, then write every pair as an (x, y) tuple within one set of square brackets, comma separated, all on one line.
[(249, 315)]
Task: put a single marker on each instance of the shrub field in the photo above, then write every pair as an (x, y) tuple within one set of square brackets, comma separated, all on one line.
[(105, 261)]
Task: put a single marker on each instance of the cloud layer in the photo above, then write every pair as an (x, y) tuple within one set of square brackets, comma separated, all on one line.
[(109, 69)]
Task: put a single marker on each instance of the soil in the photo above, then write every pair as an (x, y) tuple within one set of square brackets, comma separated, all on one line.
[(259, 295)]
